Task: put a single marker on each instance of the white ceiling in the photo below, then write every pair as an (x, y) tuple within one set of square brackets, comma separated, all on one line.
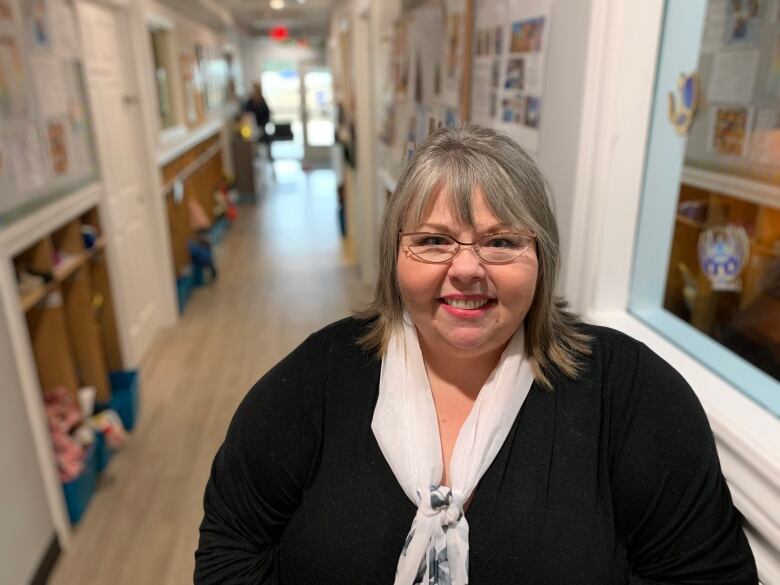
[(304, 19)]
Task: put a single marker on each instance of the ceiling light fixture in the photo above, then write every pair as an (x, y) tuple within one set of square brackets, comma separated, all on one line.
[(277, 4)]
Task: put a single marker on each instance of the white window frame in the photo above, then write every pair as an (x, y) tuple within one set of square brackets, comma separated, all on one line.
[(622, 56)]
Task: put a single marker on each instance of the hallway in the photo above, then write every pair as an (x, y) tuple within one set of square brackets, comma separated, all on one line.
[(283, 274)]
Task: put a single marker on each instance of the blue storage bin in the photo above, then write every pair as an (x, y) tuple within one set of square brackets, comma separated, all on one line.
[(125, 396), (184, 286), (103, 452), (79, 491), (197, 276)]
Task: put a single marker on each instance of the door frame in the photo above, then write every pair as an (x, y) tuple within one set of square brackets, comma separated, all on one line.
[(136, 57), (316, 155)]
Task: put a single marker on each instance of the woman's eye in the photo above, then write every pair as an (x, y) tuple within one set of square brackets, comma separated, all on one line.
[(431, 241), (502, 242)]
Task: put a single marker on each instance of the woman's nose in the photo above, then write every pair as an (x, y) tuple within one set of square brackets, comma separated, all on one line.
[(466, 266)]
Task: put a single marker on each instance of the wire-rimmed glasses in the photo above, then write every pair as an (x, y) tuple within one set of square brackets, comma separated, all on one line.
[(491, 248)]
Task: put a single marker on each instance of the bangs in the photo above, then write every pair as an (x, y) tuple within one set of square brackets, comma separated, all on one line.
[(456, 177)]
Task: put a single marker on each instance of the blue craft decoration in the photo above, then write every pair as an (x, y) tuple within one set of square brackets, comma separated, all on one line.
[(682, 116)]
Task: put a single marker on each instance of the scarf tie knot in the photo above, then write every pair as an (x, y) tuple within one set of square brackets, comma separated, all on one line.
[(443, 503)]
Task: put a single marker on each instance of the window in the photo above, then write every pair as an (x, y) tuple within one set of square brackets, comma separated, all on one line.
[(707, 264), (162, 55)]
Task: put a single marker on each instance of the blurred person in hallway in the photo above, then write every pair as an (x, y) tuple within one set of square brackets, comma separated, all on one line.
[(468, 428), (258, 107)]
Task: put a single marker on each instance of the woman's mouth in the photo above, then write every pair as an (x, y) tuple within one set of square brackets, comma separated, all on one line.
[(467, 307)]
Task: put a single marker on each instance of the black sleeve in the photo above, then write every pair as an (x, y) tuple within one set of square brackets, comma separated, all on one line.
[(672, 505), (257, 477)]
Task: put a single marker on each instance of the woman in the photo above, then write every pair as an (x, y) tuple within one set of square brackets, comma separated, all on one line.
[(258, 107), (468, 428)]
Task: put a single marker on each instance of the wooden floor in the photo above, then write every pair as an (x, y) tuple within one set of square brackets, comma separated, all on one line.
[(283, 274)]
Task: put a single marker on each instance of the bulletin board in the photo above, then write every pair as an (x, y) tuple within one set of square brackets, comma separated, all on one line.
[(510, 53), (46, 143), (428, 75), (737, 127)]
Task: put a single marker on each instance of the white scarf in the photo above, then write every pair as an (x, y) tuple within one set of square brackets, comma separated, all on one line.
[(407, 430)]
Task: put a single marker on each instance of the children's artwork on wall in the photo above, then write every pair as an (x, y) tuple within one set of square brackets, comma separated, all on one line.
[(743, 23), (729, 131), (58, 147), (37, 19), (27, 164), (13, 80)]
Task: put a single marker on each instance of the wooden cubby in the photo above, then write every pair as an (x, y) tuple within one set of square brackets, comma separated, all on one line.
[(709, 310), (200, 172), (70, 313)]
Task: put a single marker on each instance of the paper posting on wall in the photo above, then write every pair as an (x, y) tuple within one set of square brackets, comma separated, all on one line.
[(454, 13), (743, 23), (64, 29), (59, 160), (37, 23), (49, 86), (13, 80), (714, 35), (9, 195), (79, 131), (765, 141), (773, 75), (733, 77), (6, 11), (729, 130), (521, 96), (490, 47), (27, 158)]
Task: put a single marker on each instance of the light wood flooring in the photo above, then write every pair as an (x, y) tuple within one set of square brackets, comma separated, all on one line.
[(283, 274)]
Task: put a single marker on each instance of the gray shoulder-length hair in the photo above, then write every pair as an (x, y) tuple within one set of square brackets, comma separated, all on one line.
[(456, 161)]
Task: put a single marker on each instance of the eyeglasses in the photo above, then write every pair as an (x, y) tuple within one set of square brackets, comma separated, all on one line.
[(491, 248)]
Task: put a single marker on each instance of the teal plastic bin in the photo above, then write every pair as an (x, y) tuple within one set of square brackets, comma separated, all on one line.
[(79, 491), (126, 396)]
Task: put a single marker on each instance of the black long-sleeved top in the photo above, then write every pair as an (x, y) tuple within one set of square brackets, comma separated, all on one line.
[(610, 479)]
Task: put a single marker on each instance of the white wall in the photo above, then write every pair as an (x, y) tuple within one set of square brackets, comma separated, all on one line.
[(257, 51), (562, 109), (26, 525)]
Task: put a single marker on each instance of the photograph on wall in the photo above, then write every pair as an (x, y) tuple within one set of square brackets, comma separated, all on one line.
[(765, 138), (515, 73), (743, 23), (453, 17), (532, 109), (729, 131), (513, 109), (527, 35), (13, 80), (6, 11), (58, 147), (495, 73), (521, 93), (37, 21)]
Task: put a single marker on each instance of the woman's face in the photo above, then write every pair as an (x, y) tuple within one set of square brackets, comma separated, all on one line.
[(430, 290)]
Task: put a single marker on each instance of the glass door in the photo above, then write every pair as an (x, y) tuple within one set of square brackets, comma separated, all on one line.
[(282, 90), (318, 114)]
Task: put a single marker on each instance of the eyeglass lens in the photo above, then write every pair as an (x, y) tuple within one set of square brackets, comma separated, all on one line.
[(442, 248)]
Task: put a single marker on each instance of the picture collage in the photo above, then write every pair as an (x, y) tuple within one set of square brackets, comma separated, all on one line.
[(521, 102)]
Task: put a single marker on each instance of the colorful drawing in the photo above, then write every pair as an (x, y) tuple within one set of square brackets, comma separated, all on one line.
[(527, 35), (532, 107), (513, 109), (729, 135), (58, 148), (515, 70), (743, 22)]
